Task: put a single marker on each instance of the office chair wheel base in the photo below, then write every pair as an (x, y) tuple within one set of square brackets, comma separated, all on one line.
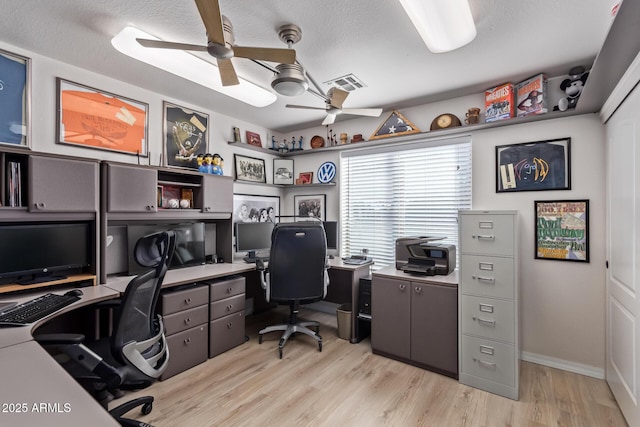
[(146, 408), (259, 339), (320, 346), (280, 351)]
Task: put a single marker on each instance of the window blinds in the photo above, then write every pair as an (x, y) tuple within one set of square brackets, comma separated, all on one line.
[(402, 191)]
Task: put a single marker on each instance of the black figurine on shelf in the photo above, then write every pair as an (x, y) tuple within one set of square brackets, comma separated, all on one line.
[(273, 143), (293, 143), (300, 144)]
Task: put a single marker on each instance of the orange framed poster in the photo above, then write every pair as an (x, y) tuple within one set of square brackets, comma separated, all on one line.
[(92, 118)]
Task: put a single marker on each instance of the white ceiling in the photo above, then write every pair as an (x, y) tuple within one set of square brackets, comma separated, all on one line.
[(373, 39)]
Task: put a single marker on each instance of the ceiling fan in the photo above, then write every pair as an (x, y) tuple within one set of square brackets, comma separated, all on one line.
[(334, 100), (220, 44)]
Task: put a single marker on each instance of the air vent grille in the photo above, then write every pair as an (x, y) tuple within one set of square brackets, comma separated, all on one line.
[(348, 82)]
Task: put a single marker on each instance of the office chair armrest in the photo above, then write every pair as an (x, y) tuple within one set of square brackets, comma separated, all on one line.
[(57, 339)]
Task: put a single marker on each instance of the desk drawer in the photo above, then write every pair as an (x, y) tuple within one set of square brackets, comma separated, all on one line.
[(227, 306), (487, 234), (489, 318), (487, 359), (174, 301), (186, 350), (183, 320), (226, 333), (227, 288), (488, 276)]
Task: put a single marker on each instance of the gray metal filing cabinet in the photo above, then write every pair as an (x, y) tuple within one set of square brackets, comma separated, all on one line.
[(226, 315), (488, 304), (185, 314)]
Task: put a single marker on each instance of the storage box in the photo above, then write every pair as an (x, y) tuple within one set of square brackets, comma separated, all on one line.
[(499, 103), (532, 95)]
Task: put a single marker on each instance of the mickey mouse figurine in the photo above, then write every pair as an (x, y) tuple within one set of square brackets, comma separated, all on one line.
[(572, 88)]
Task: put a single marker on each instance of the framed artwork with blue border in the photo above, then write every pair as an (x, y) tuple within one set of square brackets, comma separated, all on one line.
[(15, 99)]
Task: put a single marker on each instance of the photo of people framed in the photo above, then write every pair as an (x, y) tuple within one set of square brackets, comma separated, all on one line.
[(249, 169), (283, 171), (93, 118), (186, 135), (310, 206), (15, 102), (534, 166), (251, 208), (562, 230)]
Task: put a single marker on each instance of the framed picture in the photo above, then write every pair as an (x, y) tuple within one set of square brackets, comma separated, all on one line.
[(534, 166), (253, 139), (187, 194), (250, 208), (92, 118), (283, 171), (562, 230), (186, 134), (305, 178), (15, 102), (312, 206), (249, 169)]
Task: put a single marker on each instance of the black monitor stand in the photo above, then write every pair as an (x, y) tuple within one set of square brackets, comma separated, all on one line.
[(250, 257)]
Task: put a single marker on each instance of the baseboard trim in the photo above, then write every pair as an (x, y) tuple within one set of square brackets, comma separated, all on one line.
[(565, 365)]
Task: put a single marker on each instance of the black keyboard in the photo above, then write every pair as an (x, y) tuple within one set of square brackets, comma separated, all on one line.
[(35, 309)]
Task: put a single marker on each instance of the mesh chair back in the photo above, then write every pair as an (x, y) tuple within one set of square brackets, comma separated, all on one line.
[(297, 261)]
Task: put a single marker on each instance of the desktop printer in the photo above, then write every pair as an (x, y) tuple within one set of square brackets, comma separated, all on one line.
[(420, 255)]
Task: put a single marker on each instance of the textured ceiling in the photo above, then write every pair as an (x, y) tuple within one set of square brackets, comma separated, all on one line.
[(373, 39)]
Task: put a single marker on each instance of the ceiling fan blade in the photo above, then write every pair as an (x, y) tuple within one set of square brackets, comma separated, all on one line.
[(212, 19), (329, 119), (305, 107), (227, 73), (170, 45), (371, 112), (337, 97), (281, 56)]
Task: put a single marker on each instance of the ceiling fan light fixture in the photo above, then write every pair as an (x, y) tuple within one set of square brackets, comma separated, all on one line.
[(290, 80), (444, 25), (190, 67)]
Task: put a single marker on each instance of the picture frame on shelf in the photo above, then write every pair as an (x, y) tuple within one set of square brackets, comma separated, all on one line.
[(252, 208), (562, 230), (186, 135), (249, 169), (254, 139), (534, 166), (304, 178), (160, 196), (187, 194), (312, 206), (92, 118), (15, 121), (283, 171)]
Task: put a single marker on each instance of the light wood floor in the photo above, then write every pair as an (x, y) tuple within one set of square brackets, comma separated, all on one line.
[(346, 385)]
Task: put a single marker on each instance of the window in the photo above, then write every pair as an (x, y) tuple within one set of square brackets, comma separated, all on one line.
[(402, 191)]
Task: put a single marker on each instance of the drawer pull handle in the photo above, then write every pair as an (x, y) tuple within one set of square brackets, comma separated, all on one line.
[(229, 307), (483, 236), (207, 208), (40, 205), (484, 279), (485, 321), (485, 364), (418, 289), (150, 207), (229, 290), (187, 300), (402, 287), (187, 320), (229, 325), (187, 341)]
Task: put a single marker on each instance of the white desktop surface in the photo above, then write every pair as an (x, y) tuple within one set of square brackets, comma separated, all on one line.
[(392, 273)]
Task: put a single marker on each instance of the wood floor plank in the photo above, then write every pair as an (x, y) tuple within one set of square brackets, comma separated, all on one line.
[(347, 385)]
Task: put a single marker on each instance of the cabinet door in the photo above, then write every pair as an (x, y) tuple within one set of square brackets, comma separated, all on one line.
[(62, 185), (217, 194), (434, 326), (132, 189), (390, 317)]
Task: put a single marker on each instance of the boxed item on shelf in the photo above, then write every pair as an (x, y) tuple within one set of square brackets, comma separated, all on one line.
[(531, 95), (499, 103)]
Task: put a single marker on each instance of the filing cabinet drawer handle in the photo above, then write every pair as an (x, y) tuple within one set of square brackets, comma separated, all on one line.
[(187, 341), (402, 287), (418, 289), (484, 279), (485, 364), (483, 236), (485, 321), (229, 325), (187, 320), (229, 307), (229, 290), (187, 300)]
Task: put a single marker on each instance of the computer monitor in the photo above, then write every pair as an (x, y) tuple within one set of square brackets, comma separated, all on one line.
[(253, 237), (331, 230)]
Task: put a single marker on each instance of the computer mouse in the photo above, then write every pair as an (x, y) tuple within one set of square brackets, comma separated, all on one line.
[(75, 292)]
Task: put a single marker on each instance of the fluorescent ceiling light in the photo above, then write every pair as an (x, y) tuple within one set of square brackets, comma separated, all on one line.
[(190, 67), (444, 25)]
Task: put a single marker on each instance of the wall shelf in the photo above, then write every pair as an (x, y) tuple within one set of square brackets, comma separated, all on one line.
[(317, 184)]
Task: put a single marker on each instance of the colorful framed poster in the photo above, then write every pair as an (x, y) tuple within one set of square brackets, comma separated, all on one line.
[(251, 208), (562, 230), (534, 166), (186, 134), (311, 206), (15, 99), (92, 118)]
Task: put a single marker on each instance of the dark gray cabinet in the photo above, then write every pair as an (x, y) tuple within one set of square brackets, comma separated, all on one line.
[(217, 194), (131, 189), (226, 315)]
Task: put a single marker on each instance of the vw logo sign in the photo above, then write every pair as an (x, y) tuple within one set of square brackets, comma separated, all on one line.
[(326, 172)]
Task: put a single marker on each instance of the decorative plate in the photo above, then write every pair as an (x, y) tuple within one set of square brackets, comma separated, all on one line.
[(317, 142)]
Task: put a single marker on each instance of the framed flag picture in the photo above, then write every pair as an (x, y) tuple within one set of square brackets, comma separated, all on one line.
[(15, 99), (395, 125)]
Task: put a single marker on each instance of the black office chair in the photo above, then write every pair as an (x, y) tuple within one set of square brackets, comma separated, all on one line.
[(296, 274), (136, 354)]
